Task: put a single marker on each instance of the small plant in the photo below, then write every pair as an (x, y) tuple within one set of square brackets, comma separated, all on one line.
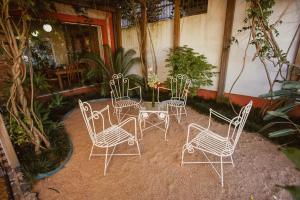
[(57, 101), (183, 60), (119, 62), (289, 96), (153, 83)]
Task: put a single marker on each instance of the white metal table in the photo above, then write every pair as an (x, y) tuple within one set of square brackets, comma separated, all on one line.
[(159, 117)]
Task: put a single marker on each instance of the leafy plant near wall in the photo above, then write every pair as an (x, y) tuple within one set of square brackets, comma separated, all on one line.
[(50, 113), (120, 61), (289, 96), (14, 42), (262, 35), (183, 60)]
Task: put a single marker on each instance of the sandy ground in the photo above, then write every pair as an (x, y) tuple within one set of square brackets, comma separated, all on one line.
[(259, 166)]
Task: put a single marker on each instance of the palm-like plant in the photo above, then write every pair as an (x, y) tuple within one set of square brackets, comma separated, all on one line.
[(120, 61)]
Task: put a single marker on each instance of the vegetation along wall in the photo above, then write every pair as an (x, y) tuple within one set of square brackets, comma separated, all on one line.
[(204, 33)]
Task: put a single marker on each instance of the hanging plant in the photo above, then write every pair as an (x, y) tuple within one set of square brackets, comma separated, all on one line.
[(14, 43)]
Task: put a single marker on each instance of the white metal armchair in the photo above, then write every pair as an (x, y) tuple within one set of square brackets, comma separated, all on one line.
[(109, 135), (212, 143), (179, 90), (120, 95)]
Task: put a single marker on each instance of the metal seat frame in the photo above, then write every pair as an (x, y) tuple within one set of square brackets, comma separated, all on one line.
[(120, 96), (212, 143), (179, 87), (107, 137)]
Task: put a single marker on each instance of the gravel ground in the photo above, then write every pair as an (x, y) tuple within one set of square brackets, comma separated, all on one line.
[(259, 167)]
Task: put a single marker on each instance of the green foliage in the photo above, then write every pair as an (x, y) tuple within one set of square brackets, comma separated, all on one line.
[(183, 60), (260, 11), (281, 132), (280, 112), (293, 154), (40, 84), (57, 101), (290, 95), (291, 85), (17, 134), (119, 62), (49, 159), (294, 191)]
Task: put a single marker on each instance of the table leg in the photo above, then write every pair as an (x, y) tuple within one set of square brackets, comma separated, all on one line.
[(166, 126), (141, 129)]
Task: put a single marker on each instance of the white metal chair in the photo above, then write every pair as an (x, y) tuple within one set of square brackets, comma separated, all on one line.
[(179, 90), (109, 135), (120, 95), (209, 142)]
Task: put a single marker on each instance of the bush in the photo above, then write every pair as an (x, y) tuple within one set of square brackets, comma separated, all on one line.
[(183, 60)]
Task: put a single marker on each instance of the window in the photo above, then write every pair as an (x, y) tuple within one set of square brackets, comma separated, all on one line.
[(158, 10), (193, 7)]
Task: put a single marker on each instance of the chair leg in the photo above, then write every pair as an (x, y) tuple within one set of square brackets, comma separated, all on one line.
[(141, 129), (232, 160), (105, 162), (118, 112), (138, 147), (182, 154), (179, 118), (91, 152), (185, 112), (222, 171), (166, 127)]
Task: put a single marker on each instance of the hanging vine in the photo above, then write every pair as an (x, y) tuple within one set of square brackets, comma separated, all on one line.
[(262, 35), (131, 11), (14, 43)]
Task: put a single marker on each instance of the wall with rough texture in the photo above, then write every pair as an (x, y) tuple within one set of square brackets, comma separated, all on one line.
[(204, 33)]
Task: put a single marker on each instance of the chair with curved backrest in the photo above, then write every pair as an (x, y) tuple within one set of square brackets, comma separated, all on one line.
[(120, 95), (72, 73), (179, 88), (109, 135), (212, 143)]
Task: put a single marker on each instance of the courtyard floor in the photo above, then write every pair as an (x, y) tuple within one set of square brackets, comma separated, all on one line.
[(259, 167)]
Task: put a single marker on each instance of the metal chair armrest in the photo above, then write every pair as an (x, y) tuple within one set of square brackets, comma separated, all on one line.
[(195, 126), (134, 88), (215, 113), (140, 91)]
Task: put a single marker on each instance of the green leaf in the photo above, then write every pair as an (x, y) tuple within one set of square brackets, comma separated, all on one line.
[(293, 154), (284, 109), (282, 132), (291, 85), (294, 190), (277, 93), (276, 114)]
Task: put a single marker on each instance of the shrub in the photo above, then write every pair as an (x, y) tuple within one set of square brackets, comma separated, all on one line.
[(183, 60)]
